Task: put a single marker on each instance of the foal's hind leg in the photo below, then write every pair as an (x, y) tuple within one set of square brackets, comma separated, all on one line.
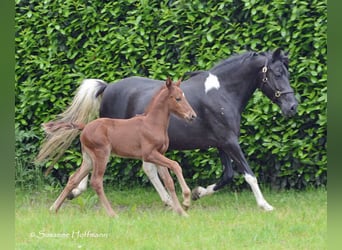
[(82, 186), (96, 181), (74, 180)]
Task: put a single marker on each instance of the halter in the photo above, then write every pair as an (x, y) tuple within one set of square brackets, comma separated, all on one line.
[(277, 92)]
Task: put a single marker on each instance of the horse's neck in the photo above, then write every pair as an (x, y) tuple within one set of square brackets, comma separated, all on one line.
[(238, 85)]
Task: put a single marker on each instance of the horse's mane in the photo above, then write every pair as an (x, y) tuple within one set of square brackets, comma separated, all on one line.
[(233, 59)]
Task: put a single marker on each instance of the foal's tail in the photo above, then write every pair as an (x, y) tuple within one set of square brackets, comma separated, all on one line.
[(53, 127), (83, 109)]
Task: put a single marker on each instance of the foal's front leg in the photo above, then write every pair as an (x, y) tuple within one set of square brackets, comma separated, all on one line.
[(160, 160), (151, 171)]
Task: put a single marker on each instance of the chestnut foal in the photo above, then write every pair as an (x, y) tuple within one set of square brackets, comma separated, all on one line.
[(142, 137)]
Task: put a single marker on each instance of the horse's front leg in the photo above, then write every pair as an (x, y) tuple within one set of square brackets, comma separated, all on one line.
[(225, 178), (235, 151)]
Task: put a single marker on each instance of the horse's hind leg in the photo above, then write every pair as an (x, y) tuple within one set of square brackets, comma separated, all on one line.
[(74, 180), (152, 173)]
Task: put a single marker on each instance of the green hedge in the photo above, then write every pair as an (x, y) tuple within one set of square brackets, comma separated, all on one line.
[(59, 43)]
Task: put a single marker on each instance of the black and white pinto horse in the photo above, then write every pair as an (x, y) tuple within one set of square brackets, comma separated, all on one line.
[(218, 96)]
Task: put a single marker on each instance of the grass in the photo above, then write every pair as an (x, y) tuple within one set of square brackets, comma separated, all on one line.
[(226, 220)]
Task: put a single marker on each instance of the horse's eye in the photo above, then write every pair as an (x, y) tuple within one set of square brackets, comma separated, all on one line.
[(178, 99)]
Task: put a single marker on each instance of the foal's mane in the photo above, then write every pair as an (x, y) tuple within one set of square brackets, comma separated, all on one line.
[(154, 98)]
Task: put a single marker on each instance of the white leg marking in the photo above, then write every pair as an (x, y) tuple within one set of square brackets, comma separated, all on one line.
[(252, 181), (82, 186), (211, 82), (152, 173), (205, 191)]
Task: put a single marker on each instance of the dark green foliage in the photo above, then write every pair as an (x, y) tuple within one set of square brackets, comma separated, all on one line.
[(59, 43)]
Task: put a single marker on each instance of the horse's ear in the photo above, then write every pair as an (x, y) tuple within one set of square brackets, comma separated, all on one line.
[(277, 54), (178, 82), (168, 82)]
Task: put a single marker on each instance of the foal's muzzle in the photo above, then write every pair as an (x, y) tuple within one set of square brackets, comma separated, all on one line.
[(190, 117)]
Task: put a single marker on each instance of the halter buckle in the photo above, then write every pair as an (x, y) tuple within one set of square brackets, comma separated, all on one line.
[(277, 94)]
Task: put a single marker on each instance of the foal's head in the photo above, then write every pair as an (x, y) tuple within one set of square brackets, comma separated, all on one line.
[(177, 101)]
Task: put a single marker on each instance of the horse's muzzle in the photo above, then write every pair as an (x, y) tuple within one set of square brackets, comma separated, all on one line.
[(291, 110)]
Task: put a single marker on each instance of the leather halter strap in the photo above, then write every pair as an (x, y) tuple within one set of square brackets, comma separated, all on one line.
[(277, 93)]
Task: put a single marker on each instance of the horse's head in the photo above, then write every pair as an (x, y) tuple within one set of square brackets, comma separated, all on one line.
[(177, 101), (274, 82)]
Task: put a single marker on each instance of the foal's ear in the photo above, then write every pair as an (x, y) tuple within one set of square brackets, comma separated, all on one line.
[(168, 82), (178, 82)]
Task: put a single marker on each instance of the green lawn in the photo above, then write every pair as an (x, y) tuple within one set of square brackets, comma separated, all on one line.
[(226, 220)]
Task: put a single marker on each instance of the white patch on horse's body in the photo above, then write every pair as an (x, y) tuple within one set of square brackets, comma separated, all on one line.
[(211, 82), (252, 181)]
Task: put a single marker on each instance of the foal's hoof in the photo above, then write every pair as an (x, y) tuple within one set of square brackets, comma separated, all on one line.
[(195, 194), (186, 205), (266, 207), (70, 196), (183, 213)]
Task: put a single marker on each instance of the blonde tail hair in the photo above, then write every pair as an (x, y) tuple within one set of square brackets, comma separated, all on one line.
[(83, 109)]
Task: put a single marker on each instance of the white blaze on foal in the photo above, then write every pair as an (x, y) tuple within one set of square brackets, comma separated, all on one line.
[(211, 82)]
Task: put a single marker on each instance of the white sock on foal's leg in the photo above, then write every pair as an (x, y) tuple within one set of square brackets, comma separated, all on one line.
[(152, 173), (82, 186)]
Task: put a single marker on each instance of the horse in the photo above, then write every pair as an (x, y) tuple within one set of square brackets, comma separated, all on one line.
[(218, 96), (141, 137)]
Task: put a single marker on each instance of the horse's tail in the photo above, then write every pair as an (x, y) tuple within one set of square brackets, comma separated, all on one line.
[(83, 109)]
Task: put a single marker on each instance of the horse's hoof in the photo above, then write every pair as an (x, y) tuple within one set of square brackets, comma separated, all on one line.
[(195, 194)]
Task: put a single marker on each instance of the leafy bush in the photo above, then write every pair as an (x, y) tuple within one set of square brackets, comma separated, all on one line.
[(59, 43)]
